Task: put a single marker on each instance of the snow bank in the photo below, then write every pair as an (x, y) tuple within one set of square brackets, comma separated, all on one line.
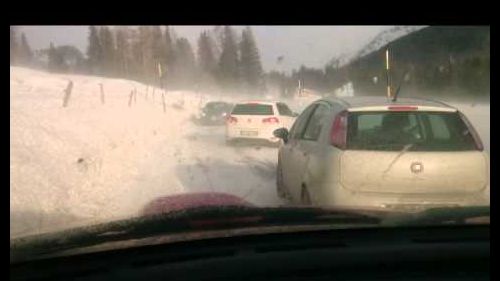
[(91, 162)]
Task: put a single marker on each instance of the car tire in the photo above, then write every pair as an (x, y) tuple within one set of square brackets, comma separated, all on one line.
[(305, 198)]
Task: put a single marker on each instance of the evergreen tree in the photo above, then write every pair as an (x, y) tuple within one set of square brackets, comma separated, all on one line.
[(108, 50), (250, 65), (136, 67), (169, 54), (121, 53), (94, 50), (157, 45), (217, 35), (185, 63), (56, 61), (206, 56), (13, 45), (228, 62), (146, 55), (72, 58), (26, 55)]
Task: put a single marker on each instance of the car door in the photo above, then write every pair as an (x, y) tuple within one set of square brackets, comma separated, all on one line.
[(310, 151), (288, 154)]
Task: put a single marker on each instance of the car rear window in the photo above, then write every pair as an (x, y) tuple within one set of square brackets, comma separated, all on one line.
[(253, 109), (216, 106), (413, 131)]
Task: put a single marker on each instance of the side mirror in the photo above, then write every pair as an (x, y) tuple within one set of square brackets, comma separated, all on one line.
[(281, 133)]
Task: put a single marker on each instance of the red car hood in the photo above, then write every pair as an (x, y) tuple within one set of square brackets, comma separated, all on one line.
[(172, 203)]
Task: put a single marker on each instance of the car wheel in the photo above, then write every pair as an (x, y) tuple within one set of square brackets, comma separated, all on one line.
[(305, 198)]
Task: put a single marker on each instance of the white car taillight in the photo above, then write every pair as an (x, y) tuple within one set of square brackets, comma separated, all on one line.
[(231, 120), (271, 120), (339, 131)]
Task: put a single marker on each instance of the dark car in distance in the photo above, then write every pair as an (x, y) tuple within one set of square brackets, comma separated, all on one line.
[(214, 113)]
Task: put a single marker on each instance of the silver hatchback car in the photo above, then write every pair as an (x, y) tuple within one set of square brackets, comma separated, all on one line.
[(372, 152)]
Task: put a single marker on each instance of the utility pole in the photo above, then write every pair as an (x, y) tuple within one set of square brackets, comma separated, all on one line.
[(387, 68), (160, 74)]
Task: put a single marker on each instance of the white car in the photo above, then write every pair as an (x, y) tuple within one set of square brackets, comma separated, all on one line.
[(257, 120), (371, 152)]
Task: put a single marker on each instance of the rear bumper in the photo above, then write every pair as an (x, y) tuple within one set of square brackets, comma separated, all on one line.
[(263, 133), (342, 197)]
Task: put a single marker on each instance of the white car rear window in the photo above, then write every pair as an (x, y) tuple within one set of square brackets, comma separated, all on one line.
[(253, 109), (415, 131)]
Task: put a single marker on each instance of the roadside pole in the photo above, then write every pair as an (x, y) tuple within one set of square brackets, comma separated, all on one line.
[(387, 69), (160, 76)]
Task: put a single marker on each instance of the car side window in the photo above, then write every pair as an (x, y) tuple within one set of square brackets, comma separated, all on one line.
[(300, 123), (316, 122), (283, 109)]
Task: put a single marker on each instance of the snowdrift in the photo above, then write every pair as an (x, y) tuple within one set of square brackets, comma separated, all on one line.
[(91, 162)]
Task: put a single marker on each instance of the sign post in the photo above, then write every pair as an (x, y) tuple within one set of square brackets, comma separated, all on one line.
[(387, 68)]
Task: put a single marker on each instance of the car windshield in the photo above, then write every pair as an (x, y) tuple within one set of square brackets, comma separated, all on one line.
[(269, 125)]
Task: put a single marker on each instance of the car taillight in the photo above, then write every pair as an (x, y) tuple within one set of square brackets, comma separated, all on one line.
[(339, 131), (475, 135), (231, 119), (271, 120)]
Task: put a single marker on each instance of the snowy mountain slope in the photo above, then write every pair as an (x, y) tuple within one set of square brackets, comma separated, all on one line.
[(386, 37), (376, 43)]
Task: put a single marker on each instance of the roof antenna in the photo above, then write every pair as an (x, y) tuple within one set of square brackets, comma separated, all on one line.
[(394, 98)]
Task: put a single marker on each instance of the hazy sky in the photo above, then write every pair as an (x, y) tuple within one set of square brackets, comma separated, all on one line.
[(311, 46)]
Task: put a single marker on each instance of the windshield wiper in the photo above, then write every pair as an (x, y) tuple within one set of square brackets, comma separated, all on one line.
[(198, 219), (433, 216)]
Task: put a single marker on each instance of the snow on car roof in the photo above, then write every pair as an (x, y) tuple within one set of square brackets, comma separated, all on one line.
[(364, 101), (258, 101)]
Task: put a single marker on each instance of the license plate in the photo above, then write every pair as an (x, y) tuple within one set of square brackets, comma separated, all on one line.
[(249, 133)]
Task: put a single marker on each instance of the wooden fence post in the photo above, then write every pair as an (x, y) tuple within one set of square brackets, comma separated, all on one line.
[(67, 93), (163, 101), (102, 93), (130, 98)]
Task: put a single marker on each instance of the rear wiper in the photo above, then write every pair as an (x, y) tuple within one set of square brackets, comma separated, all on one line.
[(199, 219), (433, 216), (401, 152)]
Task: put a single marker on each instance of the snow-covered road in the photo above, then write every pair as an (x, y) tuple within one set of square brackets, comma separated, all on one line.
[(93, 162)]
